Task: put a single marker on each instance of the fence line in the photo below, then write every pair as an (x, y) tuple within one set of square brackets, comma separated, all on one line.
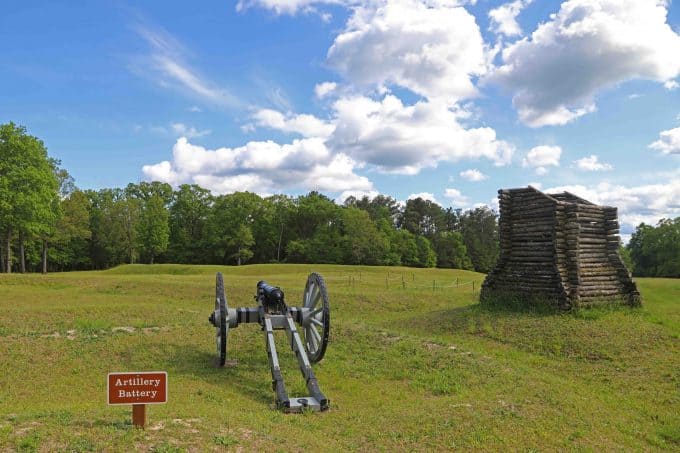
[(359, 278)]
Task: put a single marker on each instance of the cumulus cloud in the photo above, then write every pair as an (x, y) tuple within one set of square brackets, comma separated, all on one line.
[(587, 46), (400, 138), (424, 196), (591, 163), (473, 175), (668, 142), (671, 85), (262, 167), (303, 124), (456, 197), (358, 194), (504, 18), (432, 48), (647, 203), (393, 137), (540, 157), (321, 90)]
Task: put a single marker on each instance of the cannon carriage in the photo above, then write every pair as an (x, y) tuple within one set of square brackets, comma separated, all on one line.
[(273, 313)]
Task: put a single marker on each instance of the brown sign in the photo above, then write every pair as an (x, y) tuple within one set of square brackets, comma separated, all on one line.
[(144, 387)]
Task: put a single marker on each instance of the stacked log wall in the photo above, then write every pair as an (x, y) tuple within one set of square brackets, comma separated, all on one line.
[(557, 248), (527, 266)]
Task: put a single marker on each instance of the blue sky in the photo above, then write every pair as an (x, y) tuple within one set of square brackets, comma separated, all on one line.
[(448, 99)]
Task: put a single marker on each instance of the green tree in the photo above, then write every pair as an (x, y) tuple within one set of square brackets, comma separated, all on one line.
[(145, 190), (426, 255), (378, 207), (422, 217), (363, 242), (655, 251), (153, 229), (284, 212), (228, 215), (313, 210), (188, 218), (110, 243), (70, 248), (28, 187), (451, 251), (241, 240), (479, 228)]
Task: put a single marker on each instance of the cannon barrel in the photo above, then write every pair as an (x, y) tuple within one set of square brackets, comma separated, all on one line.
[(268, 289), (272, 295)]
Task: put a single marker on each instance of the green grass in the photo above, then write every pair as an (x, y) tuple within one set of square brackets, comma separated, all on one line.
[(408, 368)]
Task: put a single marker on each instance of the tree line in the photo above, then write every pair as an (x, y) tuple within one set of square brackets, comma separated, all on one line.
[(47, 223), (654, 251)]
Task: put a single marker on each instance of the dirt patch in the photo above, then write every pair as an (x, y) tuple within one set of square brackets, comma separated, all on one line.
[(157, 426), (24, 429), (431, 346), (128, 329)]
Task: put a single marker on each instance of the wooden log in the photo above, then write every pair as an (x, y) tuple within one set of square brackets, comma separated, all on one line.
[(594, 209), (599, 293), (517, 216)]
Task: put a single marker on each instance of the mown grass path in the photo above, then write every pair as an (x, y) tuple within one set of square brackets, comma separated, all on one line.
[(408, 367)]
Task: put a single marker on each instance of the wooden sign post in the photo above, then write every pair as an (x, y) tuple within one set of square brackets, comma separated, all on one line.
[(139, 389)]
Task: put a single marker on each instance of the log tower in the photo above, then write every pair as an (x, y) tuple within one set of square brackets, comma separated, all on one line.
[(558, 249)]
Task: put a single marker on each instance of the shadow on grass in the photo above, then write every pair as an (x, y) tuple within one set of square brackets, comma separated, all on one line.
[(245, 375)]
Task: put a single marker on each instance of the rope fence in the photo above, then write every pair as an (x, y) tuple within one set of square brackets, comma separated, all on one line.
[(394, 280)]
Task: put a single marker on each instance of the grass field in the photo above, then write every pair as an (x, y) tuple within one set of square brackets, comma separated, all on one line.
[(407, 368)]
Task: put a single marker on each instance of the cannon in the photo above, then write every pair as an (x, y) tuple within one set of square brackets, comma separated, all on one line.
[(273, 313)]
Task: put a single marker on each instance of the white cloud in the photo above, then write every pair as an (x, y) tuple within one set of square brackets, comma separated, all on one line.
[(431, 48), (183, 130), (303, 124), (166, 66), (391, 136), (540, 157), (587, 46), (633, 96), (637, 204), (424, 196), (195, 109), (262, 167), (456, 197), (404, 139), (358, 194), (473, 175), (305, 6), (289, 6), (592, 163), (324, 89), (504, 18), (668, 142), (671, 85)]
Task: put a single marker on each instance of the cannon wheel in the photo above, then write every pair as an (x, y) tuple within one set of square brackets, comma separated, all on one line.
[(317, 324), (222, 328)]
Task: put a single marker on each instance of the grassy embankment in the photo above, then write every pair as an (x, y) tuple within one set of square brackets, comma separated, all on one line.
[(406, 369)]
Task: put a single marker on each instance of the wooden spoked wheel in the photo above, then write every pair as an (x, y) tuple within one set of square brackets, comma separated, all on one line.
[(221, 322), (316, 321)]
